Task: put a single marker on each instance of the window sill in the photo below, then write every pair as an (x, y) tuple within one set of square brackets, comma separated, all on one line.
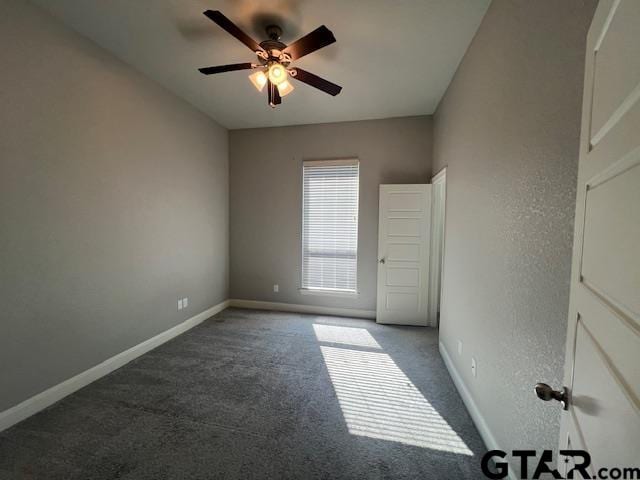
[(327, 293)]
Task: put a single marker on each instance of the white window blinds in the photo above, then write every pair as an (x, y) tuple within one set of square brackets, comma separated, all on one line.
[(330, 225)]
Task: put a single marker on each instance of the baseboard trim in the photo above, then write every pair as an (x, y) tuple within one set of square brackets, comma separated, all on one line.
[(50, 396), (292, 307), (476, 416)]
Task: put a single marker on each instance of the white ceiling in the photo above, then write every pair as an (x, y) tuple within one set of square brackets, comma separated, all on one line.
[(393, 57)]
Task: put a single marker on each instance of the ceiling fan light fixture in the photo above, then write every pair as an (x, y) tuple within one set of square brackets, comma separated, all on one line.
[(277, 73), (275, 58), (259, 80), (285, 88)]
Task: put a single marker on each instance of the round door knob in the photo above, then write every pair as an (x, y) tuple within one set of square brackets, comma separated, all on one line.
[(382, 260), (546, 393)]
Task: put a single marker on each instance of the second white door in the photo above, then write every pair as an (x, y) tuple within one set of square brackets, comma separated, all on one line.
[(403, 254)]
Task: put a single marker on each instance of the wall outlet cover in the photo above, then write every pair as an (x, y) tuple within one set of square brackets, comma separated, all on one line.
[(185, 302), (459, 347), (180, 304), (276, 287), (474, 367)]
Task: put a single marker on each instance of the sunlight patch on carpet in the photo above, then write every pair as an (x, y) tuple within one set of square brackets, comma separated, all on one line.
[(379, 401), (358, 337)]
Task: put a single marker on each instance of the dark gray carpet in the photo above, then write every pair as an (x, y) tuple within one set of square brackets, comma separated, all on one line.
[(251, 394)]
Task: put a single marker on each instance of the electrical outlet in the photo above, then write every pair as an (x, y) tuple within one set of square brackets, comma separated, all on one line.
[(185, 302), (474, 367), (180, 304), (276, 287), (459, 347)]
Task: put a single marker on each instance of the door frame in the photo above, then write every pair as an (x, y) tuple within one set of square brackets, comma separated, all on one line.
[(436, 260)]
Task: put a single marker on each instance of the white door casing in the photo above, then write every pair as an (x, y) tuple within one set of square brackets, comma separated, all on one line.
[(602, 365), (403, 254), (438, 199)]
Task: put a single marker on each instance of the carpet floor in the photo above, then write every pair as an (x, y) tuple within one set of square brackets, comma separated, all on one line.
[(254, 394)]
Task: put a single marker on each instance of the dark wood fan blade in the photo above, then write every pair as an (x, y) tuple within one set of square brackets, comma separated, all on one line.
[(219, 19), (317, 82), (226, 68), (273, 95), (319, 38)]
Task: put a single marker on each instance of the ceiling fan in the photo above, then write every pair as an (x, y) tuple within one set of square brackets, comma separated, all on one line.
[(274, 57)]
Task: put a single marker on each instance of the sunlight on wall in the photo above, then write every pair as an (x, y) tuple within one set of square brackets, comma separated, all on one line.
[(358, 337), (379, 401)]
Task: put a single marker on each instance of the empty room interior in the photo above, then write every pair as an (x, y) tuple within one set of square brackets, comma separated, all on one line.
[(319, 239)]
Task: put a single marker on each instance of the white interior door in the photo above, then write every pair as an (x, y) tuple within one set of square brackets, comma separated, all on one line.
[(603, 342), (403, 254)]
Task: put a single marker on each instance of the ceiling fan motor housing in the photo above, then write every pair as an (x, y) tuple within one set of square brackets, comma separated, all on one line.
[(274, 32), (273, 47)]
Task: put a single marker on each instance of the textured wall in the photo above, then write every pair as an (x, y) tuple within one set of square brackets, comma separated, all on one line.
[(266, 199), (508, 131), (113, 202)]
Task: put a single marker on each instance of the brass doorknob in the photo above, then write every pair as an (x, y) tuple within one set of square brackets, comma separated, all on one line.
[(546, 393)]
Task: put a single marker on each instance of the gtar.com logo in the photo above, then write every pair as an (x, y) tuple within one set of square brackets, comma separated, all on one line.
[(493, 466)]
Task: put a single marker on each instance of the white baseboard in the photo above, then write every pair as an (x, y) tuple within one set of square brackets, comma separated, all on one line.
[(44, 399), (292, 307), (476, 416)]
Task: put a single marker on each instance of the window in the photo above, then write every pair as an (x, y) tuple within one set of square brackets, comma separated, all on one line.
[(330, 225)]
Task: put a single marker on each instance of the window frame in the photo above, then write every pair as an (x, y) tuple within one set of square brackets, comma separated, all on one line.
[(328, 291)]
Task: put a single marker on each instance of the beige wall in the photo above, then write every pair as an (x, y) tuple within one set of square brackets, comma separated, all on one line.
[(266, 199), (113, 202), (507, 129)]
